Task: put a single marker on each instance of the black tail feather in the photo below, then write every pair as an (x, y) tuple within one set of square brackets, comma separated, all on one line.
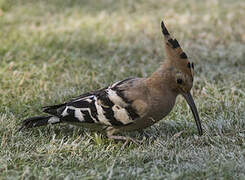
[(54, 110), (35, 122)]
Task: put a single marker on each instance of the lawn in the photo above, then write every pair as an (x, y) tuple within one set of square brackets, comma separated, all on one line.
[(51, 51)]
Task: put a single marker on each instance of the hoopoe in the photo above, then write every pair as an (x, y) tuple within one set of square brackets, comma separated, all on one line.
[(130, 104)]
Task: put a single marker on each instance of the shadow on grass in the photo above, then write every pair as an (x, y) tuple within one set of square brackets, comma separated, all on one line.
[(165, 130)]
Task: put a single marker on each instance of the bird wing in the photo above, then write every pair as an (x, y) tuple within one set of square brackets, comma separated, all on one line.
[(107, 106)]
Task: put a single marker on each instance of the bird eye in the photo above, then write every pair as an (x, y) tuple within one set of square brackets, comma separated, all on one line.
[(179, 81)]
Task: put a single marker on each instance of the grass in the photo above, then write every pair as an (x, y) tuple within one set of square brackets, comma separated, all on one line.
[(52, 51)]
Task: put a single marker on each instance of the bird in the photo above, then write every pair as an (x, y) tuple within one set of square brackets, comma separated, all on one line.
[(131, 104)]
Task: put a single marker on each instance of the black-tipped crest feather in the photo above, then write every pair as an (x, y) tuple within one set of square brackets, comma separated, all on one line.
[(164, 30), (174, 43), (183, 55)]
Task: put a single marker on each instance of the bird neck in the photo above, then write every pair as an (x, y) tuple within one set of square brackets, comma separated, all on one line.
[(162, 95)]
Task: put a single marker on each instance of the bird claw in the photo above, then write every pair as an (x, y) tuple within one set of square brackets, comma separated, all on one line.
[(177, 135), (127, 140)]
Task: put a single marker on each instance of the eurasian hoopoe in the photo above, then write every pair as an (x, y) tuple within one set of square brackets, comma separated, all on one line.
[(131, 104)]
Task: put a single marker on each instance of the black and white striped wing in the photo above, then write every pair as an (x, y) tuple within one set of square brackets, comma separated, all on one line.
[(107, 106)]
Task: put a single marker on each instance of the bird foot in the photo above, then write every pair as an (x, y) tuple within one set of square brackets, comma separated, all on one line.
[(126, 139)]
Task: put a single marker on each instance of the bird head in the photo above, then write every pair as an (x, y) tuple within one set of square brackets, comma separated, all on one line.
[(180, 72)]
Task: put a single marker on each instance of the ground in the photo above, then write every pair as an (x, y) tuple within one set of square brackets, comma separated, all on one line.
[(51, 51)]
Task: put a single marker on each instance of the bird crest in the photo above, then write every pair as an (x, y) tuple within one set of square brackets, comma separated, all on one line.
[(175, 55)]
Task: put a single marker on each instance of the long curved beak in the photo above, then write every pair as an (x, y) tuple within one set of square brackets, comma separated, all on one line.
[(190, 101)]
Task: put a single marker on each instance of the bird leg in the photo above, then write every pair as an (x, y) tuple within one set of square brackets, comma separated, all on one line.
[(126, 139)]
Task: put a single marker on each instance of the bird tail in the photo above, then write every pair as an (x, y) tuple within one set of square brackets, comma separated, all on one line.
[(39, 121)]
